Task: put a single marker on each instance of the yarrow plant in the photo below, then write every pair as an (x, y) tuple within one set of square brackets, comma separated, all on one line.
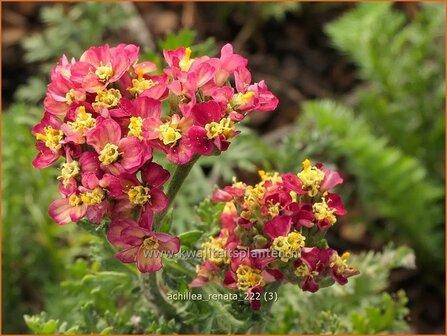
[(103, 116), (107, 112), (273, 232)]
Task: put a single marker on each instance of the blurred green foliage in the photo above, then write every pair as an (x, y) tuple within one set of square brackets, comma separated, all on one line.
[(264, 10), (35, 250), (69, 32)]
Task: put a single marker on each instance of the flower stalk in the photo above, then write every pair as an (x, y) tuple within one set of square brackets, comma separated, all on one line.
[(148, 281), (155, 298), (177, 180)]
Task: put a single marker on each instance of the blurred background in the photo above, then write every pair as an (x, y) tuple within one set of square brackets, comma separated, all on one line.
[(361, 86)]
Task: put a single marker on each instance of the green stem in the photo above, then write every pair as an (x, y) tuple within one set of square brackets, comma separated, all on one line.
[(177, 180), (174, 265), (155, 298), (223, 313), (259, 327), (148, 281)]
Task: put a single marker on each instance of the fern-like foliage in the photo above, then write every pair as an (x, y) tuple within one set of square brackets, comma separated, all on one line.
[(402, 59), (392, 186)]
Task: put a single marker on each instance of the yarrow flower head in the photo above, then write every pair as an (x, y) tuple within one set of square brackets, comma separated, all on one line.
[(104, 119), (272, 232)]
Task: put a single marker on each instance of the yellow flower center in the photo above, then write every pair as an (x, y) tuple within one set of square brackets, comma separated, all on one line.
[(139, 195), (109, 154), (135, 127), (52, 137), (275, 178), (248, 277), (224, 127), (340, 262), (93, 197), (240, 99), (229, 208), (140, 84), (68, 171), (311, 178), (83, 123), (257, 192), (74, 200), (70, 97), (211, 275), (150, 244), (295, 240), (289, 246), (104, 72), (294, 196), (237, 184), (322, 211), (213, 250), (274, 209), (252, 198), (107, 98), (303, 271), (169, 134), (186, 62)]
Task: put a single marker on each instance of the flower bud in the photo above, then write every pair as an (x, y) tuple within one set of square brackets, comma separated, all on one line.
[(259, 241)]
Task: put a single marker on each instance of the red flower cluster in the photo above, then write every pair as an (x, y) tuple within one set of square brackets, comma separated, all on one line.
[(104, 115), (267, 233)]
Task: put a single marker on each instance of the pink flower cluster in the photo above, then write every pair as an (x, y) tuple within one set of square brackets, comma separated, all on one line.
[(269, 233), (105, 114)]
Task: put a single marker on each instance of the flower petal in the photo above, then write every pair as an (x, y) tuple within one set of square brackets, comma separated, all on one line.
[(46, 157), (146, 218), (154, 175), (230, 280), (159, 201), (115, 229), (134, 235), (107, 132), (204, 113), (168, 243), (132, 153), (331, 179), (278, 226), (128, 255), (60, 210), (146, 107), (292, 182), (181, 153), (254, 295), (309, 284), (200, 141), (148, 261)]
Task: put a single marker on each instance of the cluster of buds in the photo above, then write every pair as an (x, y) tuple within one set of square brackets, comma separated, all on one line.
[(105, 114), (272, 232)]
